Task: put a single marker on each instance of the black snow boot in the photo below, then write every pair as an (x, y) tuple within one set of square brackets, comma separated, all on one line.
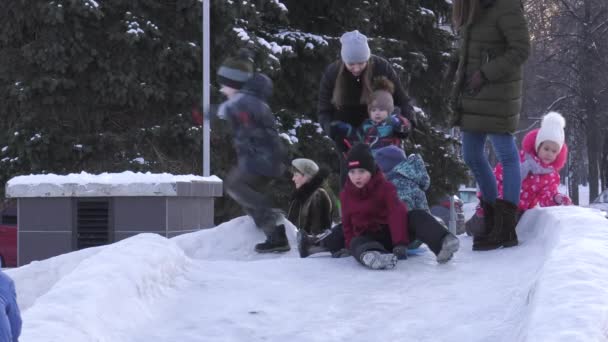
[(309, 245), (503, 234), (486, 227), (275, 242)]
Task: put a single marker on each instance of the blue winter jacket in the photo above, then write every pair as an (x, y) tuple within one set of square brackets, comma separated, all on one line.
[(411, 180), (257, 143), (10, 317)]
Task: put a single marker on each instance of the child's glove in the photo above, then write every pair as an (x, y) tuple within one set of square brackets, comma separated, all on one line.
[(400, 124), (339, 130), (562, 199), (343, 253), (400, 251)]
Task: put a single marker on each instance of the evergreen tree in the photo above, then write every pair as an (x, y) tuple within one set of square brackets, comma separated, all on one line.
[(108, 86)]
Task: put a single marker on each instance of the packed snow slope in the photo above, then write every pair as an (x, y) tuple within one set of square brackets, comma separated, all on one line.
[(211, 286)]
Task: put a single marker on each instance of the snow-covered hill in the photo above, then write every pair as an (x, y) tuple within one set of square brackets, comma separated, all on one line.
[(211, 286)]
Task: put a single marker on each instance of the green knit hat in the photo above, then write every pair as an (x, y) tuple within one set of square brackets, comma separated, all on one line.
[(236, 70)]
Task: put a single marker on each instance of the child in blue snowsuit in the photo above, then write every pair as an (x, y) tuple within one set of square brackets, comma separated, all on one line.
[(410, 177), (407, 173), (10, 316)]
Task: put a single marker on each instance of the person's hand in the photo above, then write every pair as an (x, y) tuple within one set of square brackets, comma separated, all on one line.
[(339, 129), (400, 251), (343, 253), (561, 199), (475, 82), (400, 124)]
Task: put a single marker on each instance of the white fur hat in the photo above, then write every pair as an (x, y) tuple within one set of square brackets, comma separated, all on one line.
[(552, 129)]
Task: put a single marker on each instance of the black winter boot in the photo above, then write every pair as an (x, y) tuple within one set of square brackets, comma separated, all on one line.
[(505, 221), (276, 242), (486, 227), (308, 245)]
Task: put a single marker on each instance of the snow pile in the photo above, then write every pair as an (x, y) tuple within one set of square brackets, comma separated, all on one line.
[(211, 286), (108, 294), (570, 297), (233, 240)]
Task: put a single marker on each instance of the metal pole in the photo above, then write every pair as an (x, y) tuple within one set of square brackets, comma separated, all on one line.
[(205, 100), (452, 223)]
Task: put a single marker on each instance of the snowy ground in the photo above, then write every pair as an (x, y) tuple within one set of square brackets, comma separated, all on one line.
[(210, 286)]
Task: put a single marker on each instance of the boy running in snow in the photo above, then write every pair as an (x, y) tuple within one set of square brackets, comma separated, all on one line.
[(542, 156), (375, 227), (260, 153)]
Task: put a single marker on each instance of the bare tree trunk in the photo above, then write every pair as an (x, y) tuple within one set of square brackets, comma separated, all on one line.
[(586, 67)]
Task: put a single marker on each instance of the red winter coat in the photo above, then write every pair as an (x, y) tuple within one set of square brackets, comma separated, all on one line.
[(537, 188), (366, 209)]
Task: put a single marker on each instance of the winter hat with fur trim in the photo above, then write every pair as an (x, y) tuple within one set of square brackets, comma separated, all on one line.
[(354, 47), (236, 70), (382, 97), (551, 129), (360, 157), (305, 166)]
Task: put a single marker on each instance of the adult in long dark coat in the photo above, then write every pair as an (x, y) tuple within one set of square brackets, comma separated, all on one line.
[(494, 44), (346, 86)]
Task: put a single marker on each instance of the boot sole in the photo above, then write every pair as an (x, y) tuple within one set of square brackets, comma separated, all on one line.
[(274, 250), (447, 250), (378, 261)]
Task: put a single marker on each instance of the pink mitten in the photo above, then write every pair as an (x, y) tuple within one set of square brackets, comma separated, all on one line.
[(562, 199)]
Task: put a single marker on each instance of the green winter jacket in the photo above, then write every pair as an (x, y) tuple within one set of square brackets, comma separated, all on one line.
[(498, 43)]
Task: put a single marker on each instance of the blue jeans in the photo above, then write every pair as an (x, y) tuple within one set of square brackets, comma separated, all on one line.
[(506, 151)]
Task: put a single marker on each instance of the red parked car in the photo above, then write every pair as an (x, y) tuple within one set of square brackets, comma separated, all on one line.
[(8, 237)]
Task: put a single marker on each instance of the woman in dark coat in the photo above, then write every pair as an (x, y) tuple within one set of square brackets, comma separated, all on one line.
[(494, 44), (346, 86), (310, 209)]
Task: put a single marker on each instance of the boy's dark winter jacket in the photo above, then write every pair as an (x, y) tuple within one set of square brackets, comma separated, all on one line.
[(366, 209), (255, 138), (311, 207)]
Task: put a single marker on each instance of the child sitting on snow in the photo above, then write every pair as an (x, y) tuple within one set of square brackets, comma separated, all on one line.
[(409, 176), (542, 156), (382, 128), (407, 173), (375, 222)]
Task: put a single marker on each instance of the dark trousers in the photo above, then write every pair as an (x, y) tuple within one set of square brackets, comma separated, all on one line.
[(421, 226), (246, 189), (424, 227)]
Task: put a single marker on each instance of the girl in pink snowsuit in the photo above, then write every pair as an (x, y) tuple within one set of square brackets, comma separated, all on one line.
[(542, 156)]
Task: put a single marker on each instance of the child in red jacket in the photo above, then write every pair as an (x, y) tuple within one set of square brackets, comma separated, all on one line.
[(542, 156), (375, 221)]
